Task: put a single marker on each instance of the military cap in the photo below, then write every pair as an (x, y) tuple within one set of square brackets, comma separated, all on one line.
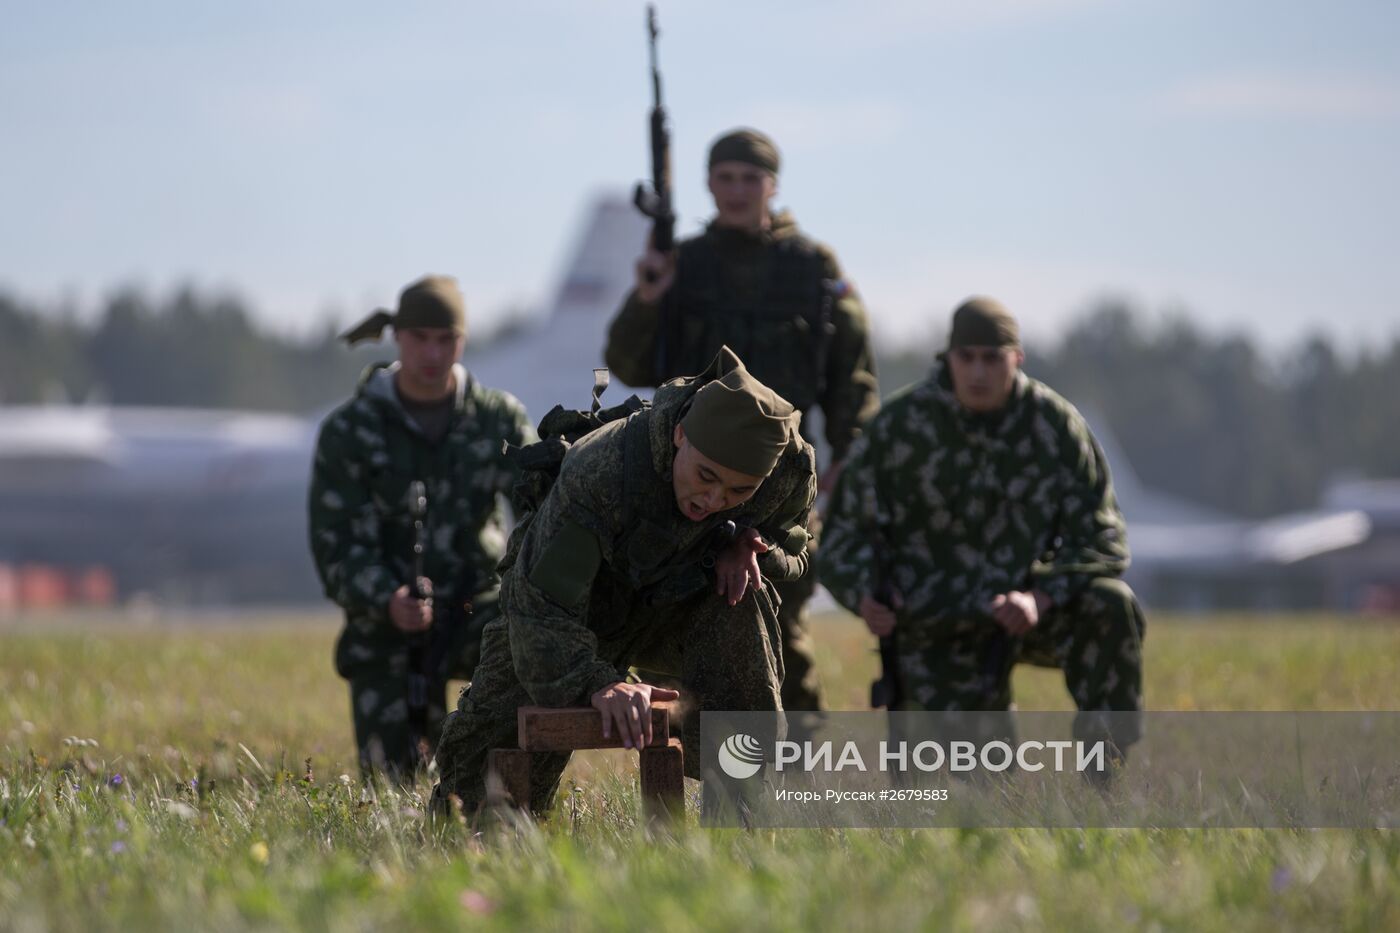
[(983, 322), (432, 301), (737, 421), (745, 145)]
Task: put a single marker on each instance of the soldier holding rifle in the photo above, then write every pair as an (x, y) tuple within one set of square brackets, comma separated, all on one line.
[(406, 522), (756, 283)]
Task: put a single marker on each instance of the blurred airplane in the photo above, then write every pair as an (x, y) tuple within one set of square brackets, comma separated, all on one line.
[(186, 505), (189, 506), (1189, 556), (553, 363), (196, 507)]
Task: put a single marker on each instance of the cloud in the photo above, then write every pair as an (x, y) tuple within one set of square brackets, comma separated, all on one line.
[(1283, 95)]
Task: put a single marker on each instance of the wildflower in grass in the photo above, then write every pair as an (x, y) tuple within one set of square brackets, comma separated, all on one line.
[(1282, 879), (183, 810), (476, 902), (258, 852), (118, 847), (116, 781)]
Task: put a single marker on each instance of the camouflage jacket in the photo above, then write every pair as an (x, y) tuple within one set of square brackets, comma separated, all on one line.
[(609, 537), (368, 452), (957, 508), (780, 301)]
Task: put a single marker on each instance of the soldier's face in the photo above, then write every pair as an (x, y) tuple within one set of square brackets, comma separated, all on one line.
[(702, 486), (984, 376), (426, 355), (742, 192)]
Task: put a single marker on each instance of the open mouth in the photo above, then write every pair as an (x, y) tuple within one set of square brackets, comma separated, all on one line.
[(695, 512)]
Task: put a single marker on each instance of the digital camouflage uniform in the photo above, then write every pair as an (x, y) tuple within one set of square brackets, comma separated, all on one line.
[(971, 506), (608, 574), (368, 452), (780, 301)]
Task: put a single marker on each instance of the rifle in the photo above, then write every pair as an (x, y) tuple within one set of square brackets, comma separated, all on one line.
[(888, 691), (656, 202), (420, 742), (428, 651)]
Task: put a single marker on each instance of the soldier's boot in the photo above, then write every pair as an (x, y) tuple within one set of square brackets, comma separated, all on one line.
[(801, 687), (486, 718)]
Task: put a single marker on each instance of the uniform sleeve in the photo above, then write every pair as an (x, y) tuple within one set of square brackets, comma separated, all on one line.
[(847, 558), (1092, 535), (344, 526), (852, 392), (545, 598), (631, 349), (786, 532)]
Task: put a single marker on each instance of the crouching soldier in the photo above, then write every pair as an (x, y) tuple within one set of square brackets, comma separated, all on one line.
[(975, 523), (631, 560)]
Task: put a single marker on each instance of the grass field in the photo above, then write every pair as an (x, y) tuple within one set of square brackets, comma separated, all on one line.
[(156, 776)]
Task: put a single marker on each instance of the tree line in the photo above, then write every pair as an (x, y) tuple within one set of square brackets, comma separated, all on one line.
[(1209, 417)]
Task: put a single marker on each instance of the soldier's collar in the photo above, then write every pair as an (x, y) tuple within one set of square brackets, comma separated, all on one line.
[(781, 225), (942, 380), (378, 382)]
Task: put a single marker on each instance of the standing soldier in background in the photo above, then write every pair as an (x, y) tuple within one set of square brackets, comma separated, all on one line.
[(1003, 538), (422, 419), (753, 282)]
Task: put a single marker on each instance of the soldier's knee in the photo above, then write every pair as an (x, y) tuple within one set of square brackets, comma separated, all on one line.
[(1114, 601)]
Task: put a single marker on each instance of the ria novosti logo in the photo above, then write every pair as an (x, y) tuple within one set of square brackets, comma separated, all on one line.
[(741, 756)]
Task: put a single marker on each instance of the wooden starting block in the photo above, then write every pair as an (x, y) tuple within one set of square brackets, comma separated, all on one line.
[(547, 729)]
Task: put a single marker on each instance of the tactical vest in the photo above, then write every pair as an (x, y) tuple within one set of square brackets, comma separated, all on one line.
[(781, 329)]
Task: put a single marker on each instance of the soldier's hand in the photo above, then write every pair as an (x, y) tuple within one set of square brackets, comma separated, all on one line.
[(627, 708), (736, 567), (408, 613), (1017, 612), (655, 273), (880, 618)]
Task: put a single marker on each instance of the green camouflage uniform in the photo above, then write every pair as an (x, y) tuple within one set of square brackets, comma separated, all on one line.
[(368, 452), (778, 299), (609, 574), (971, 506)]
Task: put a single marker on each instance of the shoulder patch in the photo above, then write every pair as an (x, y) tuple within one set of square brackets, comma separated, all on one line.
[(566, 569)]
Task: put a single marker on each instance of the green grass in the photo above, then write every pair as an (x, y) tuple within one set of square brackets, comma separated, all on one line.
[(214, 823)]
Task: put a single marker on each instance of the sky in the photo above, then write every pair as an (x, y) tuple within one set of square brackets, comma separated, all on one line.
[(1234, 161)]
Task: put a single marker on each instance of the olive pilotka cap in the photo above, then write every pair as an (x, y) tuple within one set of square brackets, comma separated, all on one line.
[(745, 145), (737, 421), (432, 301), (983, 322)]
